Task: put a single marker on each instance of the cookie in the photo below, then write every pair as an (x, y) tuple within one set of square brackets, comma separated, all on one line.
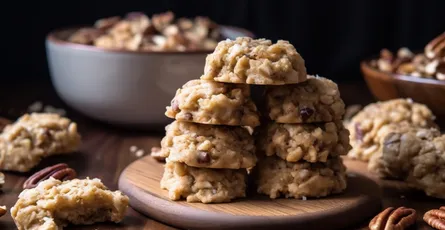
[(313, 142), (255, 61), (54, 204), (34, 136), (417, 156), (376, 164), (203, 184), (364, 127), (209, 102), (315, 100), (276, 177), (208, 146)]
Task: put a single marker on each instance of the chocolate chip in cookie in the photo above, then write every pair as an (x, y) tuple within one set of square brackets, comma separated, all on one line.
[(175, 106), (306, 113), (203, 157)]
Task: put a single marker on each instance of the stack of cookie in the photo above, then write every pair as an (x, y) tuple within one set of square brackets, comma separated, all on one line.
[(208, 149), (300, 147)]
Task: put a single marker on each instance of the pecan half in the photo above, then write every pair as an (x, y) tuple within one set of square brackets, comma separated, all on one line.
[(59, 171), (2, 210), (436, 47), (393, 219), (435, 218), (107, 23)]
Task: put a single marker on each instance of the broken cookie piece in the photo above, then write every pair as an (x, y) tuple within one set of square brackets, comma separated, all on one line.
[(34, 136), (54, 204)]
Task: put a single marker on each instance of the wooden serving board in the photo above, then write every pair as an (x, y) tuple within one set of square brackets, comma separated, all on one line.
[(360, 201)]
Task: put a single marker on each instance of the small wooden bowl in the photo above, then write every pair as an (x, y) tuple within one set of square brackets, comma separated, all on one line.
[(387, 86)]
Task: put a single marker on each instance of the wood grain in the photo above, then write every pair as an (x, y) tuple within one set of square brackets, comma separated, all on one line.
[(105, 153), (140, 180)]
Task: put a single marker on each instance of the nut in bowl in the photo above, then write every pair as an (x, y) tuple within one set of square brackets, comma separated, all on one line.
[(125, 70), (418, 76)]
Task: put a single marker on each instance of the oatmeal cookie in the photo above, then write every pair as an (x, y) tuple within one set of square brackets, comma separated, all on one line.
[(34, 136), (418, 157), (209, 102), (255, 61), (54, 204), (376, 163), (310, 142), (315, 100), (208, 146), (364, 126), (276, 177), (203, 184)]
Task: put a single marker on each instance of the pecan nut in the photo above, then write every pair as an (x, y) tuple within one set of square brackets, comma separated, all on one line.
[(436, 47), (106, 23), (59, 171), (2, 210), (435, 218), (393, 219)]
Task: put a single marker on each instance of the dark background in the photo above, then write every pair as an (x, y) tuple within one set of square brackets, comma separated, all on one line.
[(332, 36)]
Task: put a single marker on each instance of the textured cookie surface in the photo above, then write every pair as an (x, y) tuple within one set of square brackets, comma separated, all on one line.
[(366, 125), (203, 184), (34, 136), (315, 100), (54, 204), (416, 155), (255, 61), (278, 178), (309, 142), (208, 146), (209, 102)]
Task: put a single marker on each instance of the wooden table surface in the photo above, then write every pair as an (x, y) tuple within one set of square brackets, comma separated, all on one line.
[(105, 153)]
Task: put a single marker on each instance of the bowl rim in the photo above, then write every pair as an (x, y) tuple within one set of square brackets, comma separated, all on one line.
[(400, 77), (52, 37)]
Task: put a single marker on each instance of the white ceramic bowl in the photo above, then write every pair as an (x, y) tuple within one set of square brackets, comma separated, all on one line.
[(122, 87)]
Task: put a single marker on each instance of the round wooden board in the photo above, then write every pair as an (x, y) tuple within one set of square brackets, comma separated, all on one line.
[(360, 201)]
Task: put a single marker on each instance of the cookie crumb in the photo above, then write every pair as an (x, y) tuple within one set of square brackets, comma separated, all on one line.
[(133, 148), (140, 153)]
